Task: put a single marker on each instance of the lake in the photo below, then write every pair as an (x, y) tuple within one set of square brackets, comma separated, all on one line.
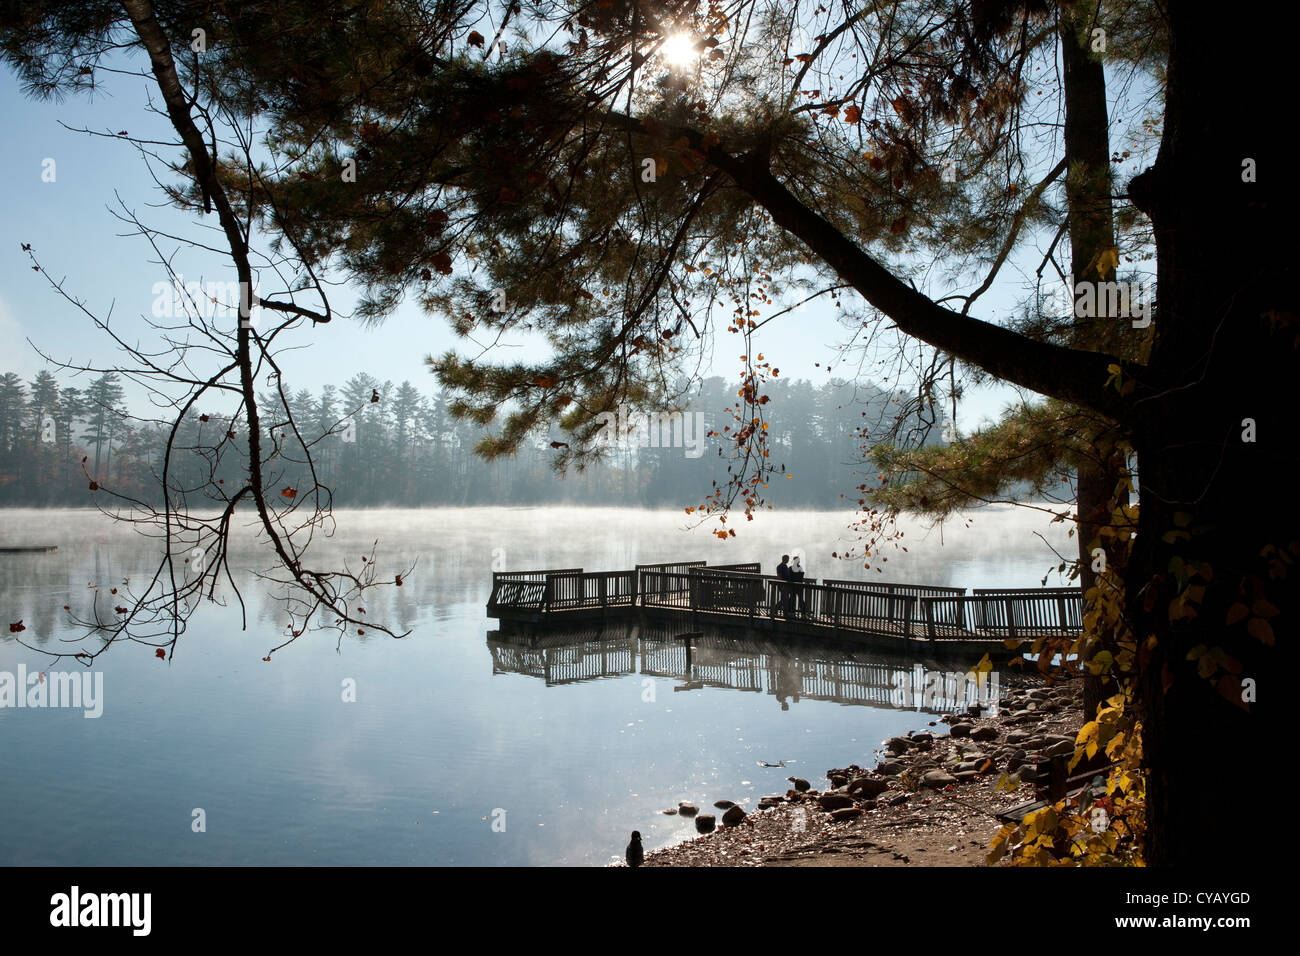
[(463, 746)]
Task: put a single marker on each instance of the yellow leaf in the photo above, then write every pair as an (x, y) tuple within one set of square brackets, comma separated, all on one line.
[(1107, 262)]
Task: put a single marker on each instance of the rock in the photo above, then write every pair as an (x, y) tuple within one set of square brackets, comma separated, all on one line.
[(766, 803), (891, 767), (837, 782), (671, 812), (724, 804), (966, 776), (1018, 736), (922, 738), (986, 732), (799, 783), (687, 809), (867, 805), (961, 730), (1028, 772), (706, 822), (937, 779), (899, 800), (868, 786), (733, 816), (845, 814), (834, 801), (897, 745), (1062, 748)]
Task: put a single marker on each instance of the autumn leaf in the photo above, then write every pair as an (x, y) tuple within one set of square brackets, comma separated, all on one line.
[(1230, 690), (160, 653), (399, 580), (1261, 630), (475, 39), (289, 493), (119, 609), (1107, 262), (94, 486), (852, 113), (17, 628), (442, 262)]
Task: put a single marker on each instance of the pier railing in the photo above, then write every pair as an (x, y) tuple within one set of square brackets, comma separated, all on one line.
[(908, 611), (581, 589), (523, 589)]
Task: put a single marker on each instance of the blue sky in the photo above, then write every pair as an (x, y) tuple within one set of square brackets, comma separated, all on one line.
[(70, 226)]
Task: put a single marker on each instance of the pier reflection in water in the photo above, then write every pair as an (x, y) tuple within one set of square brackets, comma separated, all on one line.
[(788, 672)]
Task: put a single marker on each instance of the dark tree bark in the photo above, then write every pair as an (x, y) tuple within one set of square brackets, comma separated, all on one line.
[(1092, 232), (1224, 351)]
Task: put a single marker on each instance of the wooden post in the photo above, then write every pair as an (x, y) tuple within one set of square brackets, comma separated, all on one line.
[(1011, 621)]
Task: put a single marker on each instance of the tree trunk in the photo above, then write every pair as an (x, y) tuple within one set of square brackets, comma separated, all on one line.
[(1092, 232), (1224, 351)]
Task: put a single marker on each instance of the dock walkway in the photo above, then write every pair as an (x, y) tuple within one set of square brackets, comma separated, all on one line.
[(691, 592)]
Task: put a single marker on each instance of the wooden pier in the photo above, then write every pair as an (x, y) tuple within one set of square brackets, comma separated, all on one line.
[(902, 616)]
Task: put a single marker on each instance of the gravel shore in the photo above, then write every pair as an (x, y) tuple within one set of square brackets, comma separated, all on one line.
[(929, 799)]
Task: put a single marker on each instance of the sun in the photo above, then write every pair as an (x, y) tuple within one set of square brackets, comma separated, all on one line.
[(679, 49)]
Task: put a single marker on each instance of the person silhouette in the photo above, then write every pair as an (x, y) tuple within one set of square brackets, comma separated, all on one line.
[(796, 576), (783, 572)]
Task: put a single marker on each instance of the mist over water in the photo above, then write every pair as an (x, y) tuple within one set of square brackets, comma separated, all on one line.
[(443, 734)]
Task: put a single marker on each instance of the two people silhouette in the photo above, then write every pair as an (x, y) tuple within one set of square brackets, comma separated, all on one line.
[(791, 574)]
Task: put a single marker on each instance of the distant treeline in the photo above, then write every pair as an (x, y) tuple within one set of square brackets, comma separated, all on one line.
[(405, 449)]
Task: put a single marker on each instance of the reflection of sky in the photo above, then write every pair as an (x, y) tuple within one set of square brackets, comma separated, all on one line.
[(288, 773)]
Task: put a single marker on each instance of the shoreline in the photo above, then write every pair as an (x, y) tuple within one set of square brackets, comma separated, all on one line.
[(930, 798)]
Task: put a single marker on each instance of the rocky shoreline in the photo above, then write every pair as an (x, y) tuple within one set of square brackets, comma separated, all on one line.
[(931, 798)]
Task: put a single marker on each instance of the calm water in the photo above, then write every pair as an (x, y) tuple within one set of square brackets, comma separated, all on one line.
[(453, 724)]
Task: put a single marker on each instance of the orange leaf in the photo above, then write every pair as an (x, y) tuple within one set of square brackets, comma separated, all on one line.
[(289, 493)]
